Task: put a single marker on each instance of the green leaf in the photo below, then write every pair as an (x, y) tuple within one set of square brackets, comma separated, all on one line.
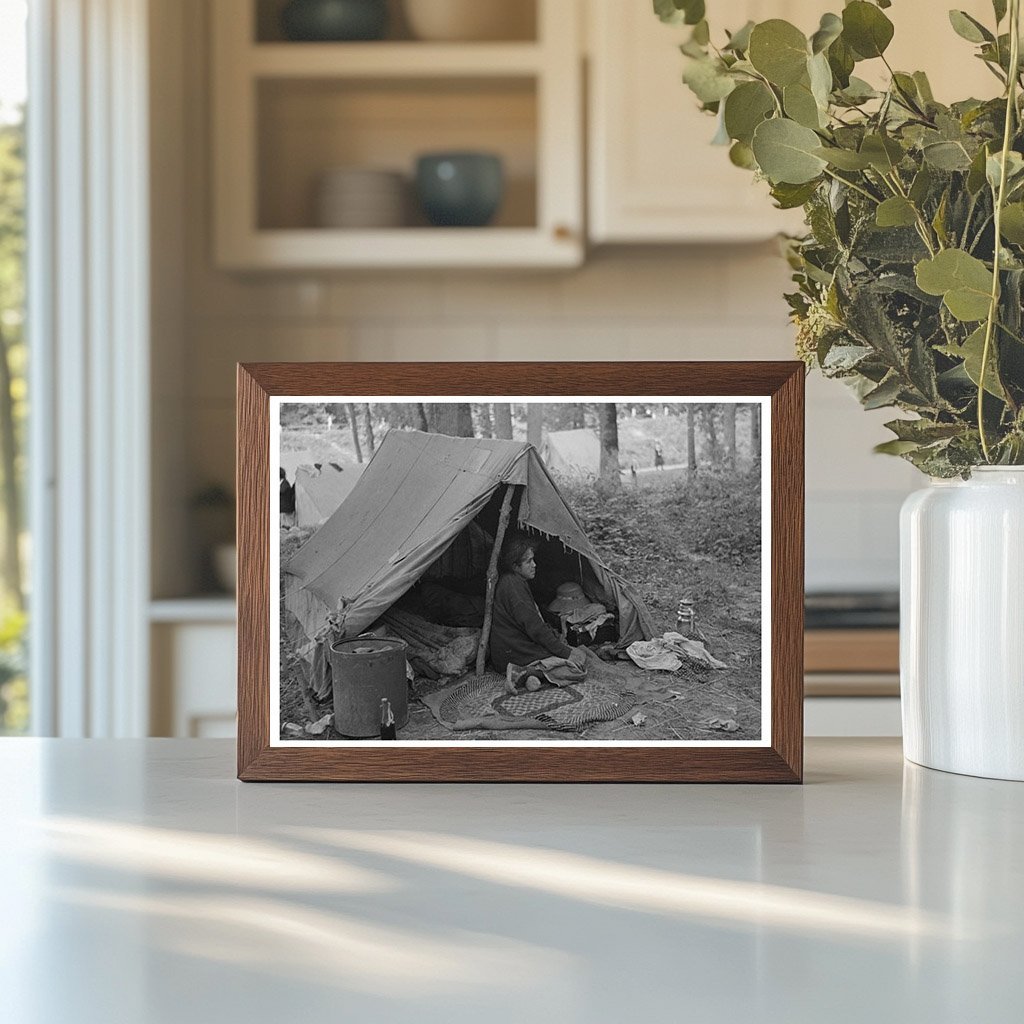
[(789, 197), (701, 33), (745, 108), (895, 447), (921, 185), (785, 152), (971, 352), (963, 281), (742, 155), (676, 12), (858, 91), (778, 50), (923, 431), (994, 168), (841, 60), (946, 156), (883, 153), (1012, 223), (800, 105), (976, 174), (721, 137), (924, 88), (896, 212), (999, 7), (820, 76), (830, 29), (844, 159), (939, 220), (739, 41), (708, 81), (968, 28), (885, 394), (866, 29)]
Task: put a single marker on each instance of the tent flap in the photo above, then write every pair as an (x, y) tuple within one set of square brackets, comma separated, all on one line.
[(417, 493)]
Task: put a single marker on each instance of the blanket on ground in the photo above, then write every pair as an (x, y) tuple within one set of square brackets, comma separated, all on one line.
[(480, 702)]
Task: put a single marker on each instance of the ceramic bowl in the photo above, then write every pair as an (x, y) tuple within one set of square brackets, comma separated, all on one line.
[(357, 197), (468, 20), (460, 189), (334, 20)]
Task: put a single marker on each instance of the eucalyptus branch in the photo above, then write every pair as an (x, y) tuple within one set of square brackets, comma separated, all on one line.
[(853, 185), (981, 231), (993, 309), (923, 227), (771, 89)]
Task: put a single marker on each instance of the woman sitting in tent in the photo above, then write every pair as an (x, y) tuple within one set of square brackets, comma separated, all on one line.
[(522, 644)]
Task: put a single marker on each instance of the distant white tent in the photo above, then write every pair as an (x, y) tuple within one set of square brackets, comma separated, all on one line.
[(572, 454), (320, 489), (290, 462)]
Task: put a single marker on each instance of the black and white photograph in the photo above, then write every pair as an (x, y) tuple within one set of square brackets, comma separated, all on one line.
[(522, 571)]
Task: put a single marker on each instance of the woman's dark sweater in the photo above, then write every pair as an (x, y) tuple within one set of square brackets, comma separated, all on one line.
[(518, 632)]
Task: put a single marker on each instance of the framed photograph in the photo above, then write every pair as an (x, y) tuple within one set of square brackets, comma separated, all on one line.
[(515, 572)]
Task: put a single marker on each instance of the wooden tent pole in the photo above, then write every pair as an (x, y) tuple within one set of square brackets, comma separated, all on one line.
[(492, 579)]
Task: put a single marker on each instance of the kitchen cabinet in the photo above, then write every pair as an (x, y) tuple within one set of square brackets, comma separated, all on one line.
[(287, 113), (653, 175), (193, 668)]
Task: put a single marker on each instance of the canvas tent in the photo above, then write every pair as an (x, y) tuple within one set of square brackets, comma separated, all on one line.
[(412, 507), (572, 454), (320, 489)]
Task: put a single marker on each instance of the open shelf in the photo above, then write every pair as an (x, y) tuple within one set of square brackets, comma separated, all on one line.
[(519, 18), (393, 60), (306, 128), (287, 113)]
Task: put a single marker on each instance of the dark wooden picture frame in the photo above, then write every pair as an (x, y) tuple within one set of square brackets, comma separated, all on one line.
[(781, 760)]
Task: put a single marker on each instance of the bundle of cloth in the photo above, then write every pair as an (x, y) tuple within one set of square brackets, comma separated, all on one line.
[(577, 611), (435, 650), (665, 653)]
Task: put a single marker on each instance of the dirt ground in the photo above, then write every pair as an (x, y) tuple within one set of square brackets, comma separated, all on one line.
[(671, 538)]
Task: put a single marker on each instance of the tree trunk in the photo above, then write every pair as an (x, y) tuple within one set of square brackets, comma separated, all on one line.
[(452, 418), (755, 433), (486, 426), (368, 423), (503, 420), (691, 439), (534, 423), (421, 415), (711, 428), (608, 418), (11, 491), (350, 409), (730, 436)]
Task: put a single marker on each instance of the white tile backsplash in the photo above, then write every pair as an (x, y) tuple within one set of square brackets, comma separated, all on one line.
[(718, 302)]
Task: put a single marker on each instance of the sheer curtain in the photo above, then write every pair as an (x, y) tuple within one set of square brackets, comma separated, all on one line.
[(88, 301)]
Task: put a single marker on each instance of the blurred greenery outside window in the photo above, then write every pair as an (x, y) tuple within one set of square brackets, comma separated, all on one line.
[(14, 703)]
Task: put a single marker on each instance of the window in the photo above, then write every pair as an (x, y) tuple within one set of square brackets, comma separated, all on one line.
[(14, 703)]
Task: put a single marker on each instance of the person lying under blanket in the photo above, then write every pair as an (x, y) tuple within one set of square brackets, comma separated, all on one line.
[(522, 644)]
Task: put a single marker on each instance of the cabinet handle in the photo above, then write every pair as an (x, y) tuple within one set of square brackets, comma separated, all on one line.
[(563, 232)]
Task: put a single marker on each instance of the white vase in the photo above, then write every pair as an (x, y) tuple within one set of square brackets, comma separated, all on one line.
[(962, 624)]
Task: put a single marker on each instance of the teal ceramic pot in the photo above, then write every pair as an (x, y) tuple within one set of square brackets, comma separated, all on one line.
[(461, 190), (334, 20)]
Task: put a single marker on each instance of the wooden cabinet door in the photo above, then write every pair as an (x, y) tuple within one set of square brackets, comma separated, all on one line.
[(653, 174)]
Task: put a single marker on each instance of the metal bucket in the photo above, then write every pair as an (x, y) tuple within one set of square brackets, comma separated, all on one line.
[(363, 671)]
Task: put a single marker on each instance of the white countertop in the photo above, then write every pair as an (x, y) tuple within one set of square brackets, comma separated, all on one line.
[(142, 884)]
